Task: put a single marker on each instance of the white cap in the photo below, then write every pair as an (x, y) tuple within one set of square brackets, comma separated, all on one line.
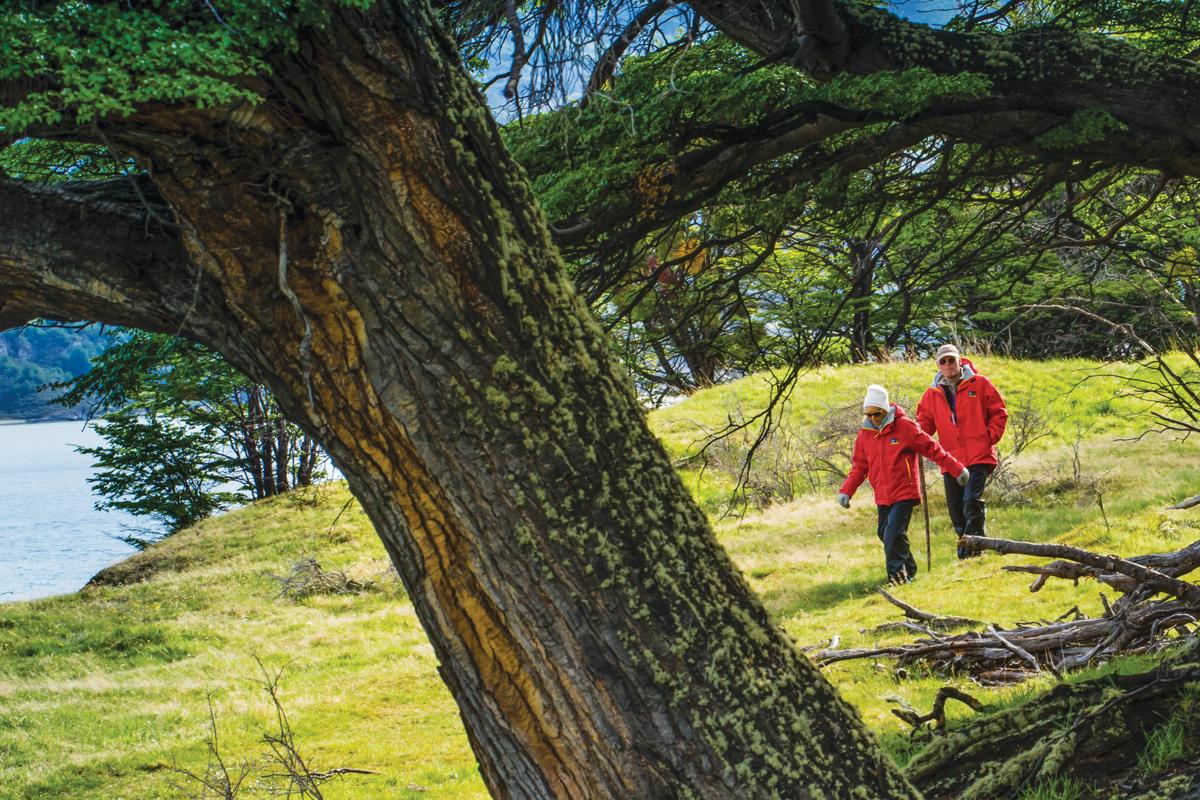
[(876, 396)]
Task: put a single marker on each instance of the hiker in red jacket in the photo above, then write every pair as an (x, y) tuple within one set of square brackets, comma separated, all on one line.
[(968, 415), (885, 453)]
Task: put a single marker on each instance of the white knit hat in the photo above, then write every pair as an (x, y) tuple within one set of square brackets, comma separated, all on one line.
[(876, 396)]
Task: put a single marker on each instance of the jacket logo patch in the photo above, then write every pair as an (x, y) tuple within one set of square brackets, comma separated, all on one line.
[(894, 440), (970, 394)]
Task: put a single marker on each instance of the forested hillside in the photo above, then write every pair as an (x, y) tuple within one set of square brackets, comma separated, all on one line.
[(33, 357)]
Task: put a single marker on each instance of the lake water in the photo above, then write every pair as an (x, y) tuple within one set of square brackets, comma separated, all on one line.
[(51, 539)]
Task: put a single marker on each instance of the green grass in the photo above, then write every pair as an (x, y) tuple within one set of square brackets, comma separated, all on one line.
[(1058, 788), (103, 693), (1165, 744)]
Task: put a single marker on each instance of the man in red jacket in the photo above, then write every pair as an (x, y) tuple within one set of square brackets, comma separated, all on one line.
[(968, 415), (885, 453)]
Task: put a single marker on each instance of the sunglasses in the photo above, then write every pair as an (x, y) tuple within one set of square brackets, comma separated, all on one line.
[(948, 360), (874, 414)]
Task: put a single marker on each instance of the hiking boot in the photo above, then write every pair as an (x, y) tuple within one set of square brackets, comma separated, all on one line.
[(964, 552), (898, 578)]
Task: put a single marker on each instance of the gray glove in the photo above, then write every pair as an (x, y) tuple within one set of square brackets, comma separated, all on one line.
[(963, 477), (843, 500)]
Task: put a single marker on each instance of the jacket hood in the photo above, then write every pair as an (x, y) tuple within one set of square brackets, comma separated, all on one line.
[(968, 370)]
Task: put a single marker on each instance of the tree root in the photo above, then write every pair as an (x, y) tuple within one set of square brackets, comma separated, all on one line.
[(1088, 730)]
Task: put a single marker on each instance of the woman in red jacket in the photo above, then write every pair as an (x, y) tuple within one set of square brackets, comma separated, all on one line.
[(885, 453)]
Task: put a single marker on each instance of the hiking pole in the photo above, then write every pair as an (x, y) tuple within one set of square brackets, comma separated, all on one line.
[(925, 508)]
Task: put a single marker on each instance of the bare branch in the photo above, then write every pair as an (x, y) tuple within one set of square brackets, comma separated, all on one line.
[(607, 64), (1111, 563)]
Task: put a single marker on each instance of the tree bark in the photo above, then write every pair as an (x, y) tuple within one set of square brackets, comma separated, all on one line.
[(862, 263), (361, 243)]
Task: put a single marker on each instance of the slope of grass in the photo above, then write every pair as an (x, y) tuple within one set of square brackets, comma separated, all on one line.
[(105, 693), (1073, 399), (1075, 394)]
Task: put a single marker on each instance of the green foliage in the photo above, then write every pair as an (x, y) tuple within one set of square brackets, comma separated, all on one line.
[(93, 60), (578, 157), (901, 94), (50, 161), (204, 425), (845, 265), (161, 469), (1084, 127)]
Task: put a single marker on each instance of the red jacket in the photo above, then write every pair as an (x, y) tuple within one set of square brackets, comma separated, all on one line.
[(978, 421), (888, 459)]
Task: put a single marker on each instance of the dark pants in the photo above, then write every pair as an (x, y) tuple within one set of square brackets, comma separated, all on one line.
[(893, 532), (968, 512)]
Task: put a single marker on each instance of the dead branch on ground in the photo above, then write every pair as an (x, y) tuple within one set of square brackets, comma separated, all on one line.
[(1189, 503), (306, 578), (1140, 621), (938, 715)]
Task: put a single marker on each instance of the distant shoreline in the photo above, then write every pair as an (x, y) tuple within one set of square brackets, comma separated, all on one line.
[(36, 420)]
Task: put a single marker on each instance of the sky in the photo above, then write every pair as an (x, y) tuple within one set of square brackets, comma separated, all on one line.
[(928, 12)]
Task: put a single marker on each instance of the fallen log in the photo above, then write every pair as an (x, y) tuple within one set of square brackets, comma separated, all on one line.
[(1055, 647), (1086, 731)]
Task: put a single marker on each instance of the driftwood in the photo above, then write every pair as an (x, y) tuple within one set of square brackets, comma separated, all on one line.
[(1136, 623)]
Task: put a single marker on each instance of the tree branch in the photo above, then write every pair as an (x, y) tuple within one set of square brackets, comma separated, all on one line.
[(1044, 73), (607, 63), (1111, 563), (92, 250)]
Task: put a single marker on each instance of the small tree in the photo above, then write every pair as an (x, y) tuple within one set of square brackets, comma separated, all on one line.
[(161, 468), (182, 422)]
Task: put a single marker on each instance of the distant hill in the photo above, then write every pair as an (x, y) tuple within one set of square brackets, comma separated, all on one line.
[(33, 357)]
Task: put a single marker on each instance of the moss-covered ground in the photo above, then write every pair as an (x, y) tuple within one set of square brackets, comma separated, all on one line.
[(104, 694)]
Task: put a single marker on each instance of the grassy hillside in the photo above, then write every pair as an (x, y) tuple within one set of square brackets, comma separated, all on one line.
[(103, 694)]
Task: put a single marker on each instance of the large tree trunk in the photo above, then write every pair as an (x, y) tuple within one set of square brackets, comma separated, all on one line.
[(361, 243)]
